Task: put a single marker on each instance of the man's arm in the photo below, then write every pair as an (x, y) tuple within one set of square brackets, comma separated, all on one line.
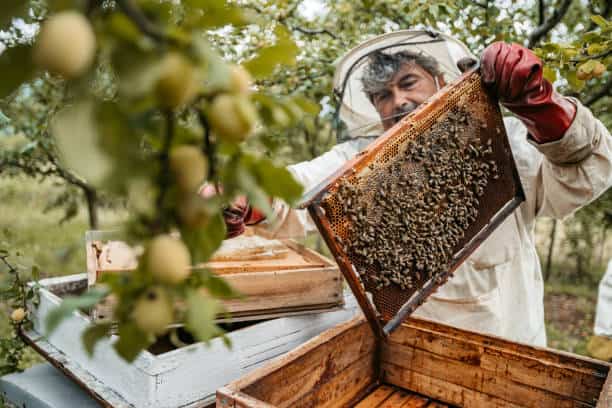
[(576, 166)]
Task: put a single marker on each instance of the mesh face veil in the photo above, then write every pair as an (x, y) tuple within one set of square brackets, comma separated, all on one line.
[(356, 110)]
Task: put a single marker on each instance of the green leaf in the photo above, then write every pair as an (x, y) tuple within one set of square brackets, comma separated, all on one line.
[(71, 304), (284, 52), (575, 83), (201, 313), (131, 341), (60, 5), (214, 14), (550, 74), (600, 21), (77, 140), (275, 180), (93, 334), (16, 67), (203, 242), (307, 105)]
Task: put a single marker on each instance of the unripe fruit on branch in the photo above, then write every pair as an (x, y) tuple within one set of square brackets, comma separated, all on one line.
[(240, 80), (189, 167), (583, 74), (192, 212), (168, 260), (232, 117), (18, 315), (178, 83), (153, 311), (598, 70), (66, 44)]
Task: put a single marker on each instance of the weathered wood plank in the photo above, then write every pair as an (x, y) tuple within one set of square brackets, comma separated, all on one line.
[(296, 374), (435, 404), (473, 377), (283, 289), (441, 389), (605, 397), (571, 376), (568, 360), (227, 398), (377, 397), (342, 388), (404, 399)]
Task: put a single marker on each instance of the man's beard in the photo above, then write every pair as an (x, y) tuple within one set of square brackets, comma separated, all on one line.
[(403, 110)]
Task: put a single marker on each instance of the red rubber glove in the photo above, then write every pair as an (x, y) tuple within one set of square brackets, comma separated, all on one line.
[(514, 73), (238, 215)]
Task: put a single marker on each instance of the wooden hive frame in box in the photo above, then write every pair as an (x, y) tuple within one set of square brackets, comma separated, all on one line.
[(500, 195), (305, 282)]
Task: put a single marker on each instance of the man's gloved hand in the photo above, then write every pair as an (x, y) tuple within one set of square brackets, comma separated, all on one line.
[(240, 214), (237, 215), (514, 73)]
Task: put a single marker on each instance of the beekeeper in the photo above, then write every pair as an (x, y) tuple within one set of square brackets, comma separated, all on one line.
[(562, 152)]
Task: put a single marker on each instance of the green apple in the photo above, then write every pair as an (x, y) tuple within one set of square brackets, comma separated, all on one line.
[(66, 44), (168, 260), (153, 311)]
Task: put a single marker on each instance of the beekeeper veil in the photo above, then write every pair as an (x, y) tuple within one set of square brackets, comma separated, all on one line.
[(355, 108)]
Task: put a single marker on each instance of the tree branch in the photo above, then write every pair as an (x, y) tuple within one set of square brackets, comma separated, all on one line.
[(164, 168), (314, 32), (142, 22), (544, 28), (605, 90), (541, 11), (209, 147), (590, 57), (605, 13)]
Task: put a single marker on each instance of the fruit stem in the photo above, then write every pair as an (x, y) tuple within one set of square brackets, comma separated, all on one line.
[(209, 147), (164, 168), (144, 25)]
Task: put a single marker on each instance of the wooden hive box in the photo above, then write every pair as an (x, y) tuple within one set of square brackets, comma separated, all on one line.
[(421, 364), (165, 377), (300, 281)]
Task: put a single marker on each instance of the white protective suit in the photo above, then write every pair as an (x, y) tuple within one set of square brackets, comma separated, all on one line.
[(603, 313), (499, 288)]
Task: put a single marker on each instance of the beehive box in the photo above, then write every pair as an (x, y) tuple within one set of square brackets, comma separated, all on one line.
[(421, 364), (282, 279), (164, 377)]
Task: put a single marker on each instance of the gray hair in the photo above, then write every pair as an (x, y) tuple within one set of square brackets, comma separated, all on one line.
[(382, 67)]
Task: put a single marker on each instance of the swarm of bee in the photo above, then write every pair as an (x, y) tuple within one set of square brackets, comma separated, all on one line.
[(407, 219)]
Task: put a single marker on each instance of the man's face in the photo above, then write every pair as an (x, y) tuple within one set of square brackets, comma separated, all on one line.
[(409, 87)]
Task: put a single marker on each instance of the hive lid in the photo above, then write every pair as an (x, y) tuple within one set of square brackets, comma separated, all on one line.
[(407, 211)]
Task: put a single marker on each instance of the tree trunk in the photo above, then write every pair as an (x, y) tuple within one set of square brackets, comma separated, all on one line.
[(92, 207)]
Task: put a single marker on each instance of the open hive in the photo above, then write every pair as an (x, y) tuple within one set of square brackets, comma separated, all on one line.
[(421, 364), (404, 214)]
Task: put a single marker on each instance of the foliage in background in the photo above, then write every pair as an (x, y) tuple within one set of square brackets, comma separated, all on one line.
[(156, 113), (16, 294)]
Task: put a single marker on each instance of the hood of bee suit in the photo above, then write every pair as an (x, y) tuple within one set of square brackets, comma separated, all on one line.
[(356, 110)]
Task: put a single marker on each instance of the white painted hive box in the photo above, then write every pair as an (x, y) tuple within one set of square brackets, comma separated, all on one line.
[(182, 377)]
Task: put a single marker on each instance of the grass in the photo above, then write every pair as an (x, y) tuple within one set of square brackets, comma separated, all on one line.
[(35, 236), (570, 313)]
